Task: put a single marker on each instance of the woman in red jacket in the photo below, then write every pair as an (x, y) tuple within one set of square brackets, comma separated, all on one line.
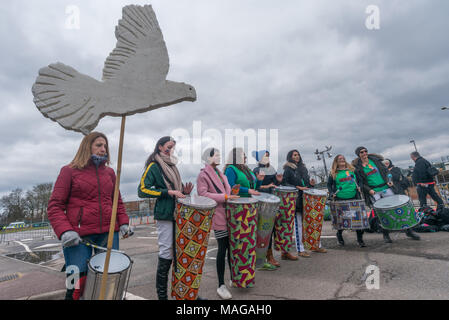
[(80, 208)]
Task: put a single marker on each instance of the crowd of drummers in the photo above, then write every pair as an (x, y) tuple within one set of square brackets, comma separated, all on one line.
[(76, 211)]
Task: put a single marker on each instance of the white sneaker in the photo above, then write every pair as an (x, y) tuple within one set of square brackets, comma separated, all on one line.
[(224, 293)]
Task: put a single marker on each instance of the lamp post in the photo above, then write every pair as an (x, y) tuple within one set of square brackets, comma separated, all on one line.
[(413, 141), (320, 154)]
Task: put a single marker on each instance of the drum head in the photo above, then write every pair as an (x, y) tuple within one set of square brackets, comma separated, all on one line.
[(243, 201), (316, 192), (117, 263), (266, 197), (198, 202), (286, 189), (391, 202)]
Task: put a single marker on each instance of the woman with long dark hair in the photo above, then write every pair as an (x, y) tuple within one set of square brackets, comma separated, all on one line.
[(297, 175), (161, 180)]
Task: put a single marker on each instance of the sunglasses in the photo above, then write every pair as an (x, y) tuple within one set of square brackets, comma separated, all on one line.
[(364, 151)]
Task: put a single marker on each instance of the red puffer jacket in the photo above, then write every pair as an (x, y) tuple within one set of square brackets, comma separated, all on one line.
[(82, 201)]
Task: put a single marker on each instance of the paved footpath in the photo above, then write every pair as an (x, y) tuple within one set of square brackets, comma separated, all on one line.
[(407, 269)]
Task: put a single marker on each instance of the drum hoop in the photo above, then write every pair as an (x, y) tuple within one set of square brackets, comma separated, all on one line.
[(394, 207), (236, 201), (314, 194), (347, 201), (118, 272), (272, 196), (199, 206)]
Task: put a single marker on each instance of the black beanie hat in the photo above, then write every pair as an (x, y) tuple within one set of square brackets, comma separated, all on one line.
[(357, 151)]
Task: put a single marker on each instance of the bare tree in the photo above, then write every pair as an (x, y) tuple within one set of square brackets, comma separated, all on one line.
[(43, 192), (14, 205)]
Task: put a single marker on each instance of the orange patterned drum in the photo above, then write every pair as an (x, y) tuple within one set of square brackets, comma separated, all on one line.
[(193, 223), (314, 204)]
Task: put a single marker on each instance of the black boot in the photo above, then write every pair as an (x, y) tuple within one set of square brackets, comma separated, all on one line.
[(386, 236), (360, 238), (163, 267), (69, 294), (340, 237), (412, 235)]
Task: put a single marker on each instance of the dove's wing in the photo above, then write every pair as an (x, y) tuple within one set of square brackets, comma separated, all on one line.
[(68, 97), (140, 55)]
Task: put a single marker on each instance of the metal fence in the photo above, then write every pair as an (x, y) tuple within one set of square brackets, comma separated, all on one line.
[(141, 217), (443, 188), (26, 234)]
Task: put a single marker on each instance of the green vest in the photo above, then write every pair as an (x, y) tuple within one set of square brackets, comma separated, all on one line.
[(346, 180), (374, 177), (243, 181)]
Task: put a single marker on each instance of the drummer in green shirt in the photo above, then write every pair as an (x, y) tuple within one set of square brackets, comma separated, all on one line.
[(377, 182), (343, 185)]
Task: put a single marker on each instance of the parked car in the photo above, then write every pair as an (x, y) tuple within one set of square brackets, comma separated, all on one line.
[(41, 224)]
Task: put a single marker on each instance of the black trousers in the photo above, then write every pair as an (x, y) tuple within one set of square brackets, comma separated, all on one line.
[(429, 190)]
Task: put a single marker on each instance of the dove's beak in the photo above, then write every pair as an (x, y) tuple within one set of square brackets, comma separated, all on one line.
[(192, 94)]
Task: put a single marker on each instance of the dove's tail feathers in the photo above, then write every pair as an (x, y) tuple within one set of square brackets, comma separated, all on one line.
[(58, 95), (137, 24)]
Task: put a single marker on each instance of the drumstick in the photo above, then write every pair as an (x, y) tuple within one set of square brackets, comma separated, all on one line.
[(87, 243)]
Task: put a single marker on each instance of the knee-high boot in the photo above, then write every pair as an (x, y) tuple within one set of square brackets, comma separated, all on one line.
[(163, 268)]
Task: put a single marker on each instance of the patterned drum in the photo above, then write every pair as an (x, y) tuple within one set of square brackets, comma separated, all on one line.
[(242, 220), (349, 215), (314, 203), (193, 223), (285, 218), (396, 213), (266, 212)]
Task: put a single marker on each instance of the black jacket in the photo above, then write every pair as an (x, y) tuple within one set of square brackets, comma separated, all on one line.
[(420, 174), (357, 163), (269, 178), (400, 182), (298, 177), (332, 186)]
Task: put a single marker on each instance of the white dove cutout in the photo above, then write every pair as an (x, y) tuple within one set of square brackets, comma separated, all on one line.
[(134, 78)]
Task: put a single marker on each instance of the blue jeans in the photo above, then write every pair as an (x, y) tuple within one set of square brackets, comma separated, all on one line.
[(80, 254)]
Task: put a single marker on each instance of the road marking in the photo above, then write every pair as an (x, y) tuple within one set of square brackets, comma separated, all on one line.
[(130, 296), (50, 245), (27, 249), (26, 240)]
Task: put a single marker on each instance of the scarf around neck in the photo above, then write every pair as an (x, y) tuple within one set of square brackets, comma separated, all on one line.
[(170, 171)]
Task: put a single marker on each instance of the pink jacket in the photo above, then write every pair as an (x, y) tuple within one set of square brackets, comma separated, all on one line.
[(205, 187)]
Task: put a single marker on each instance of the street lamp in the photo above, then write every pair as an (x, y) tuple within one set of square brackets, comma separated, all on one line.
[(320, 155), (413, 141)]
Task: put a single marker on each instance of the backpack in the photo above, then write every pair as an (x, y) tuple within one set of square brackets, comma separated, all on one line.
[(432, 171)]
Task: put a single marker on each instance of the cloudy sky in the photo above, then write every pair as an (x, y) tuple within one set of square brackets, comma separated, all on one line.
[(311, 70)]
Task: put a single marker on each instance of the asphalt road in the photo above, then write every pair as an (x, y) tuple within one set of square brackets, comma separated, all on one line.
[(406, 269)]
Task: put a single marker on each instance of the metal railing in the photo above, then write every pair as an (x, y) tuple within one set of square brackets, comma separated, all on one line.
[(140, 217), (24, 234)]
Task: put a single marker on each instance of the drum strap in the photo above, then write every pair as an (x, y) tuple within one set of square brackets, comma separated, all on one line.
[(378, 186)]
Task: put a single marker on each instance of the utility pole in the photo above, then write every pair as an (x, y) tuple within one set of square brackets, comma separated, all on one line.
[(413, 141), (320, 155)]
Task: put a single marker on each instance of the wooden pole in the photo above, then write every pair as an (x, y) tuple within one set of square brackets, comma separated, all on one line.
[(104, 279)]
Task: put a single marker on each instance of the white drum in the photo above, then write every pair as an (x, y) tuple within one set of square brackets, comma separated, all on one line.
[(119, 271)]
